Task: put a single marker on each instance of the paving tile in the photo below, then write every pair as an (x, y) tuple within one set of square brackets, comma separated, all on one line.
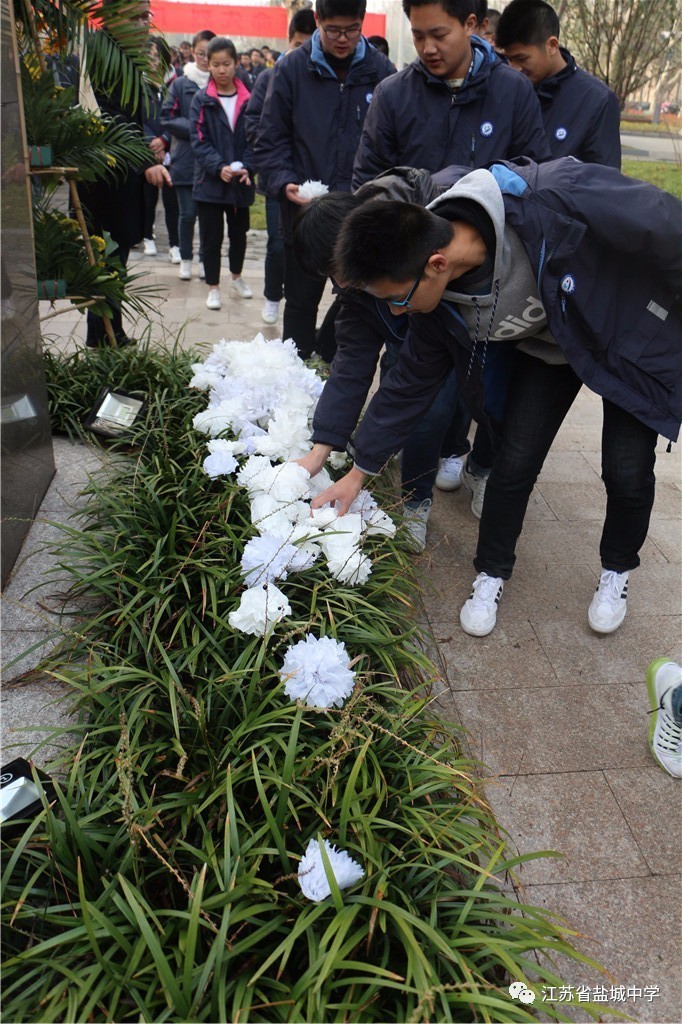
[(574, 813), (510, 658), (646, 798), (575, 501), (556, 728), (22, 650), (561, 466), (35, 714), (631, 926), (559, 543), (666, 536), (577, 654)]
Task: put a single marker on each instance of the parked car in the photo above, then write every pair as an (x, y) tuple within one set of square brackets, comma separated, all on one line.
[(670, 108)]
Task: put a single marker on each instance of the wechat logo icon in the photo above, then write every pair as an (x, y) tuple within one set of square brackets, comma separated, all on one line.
[(518, 990)]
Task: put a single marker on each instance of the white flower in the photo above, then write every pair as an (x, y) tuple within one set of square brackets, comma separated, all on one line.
[(260, 609), (265, 559), (379, 524), (338, 460), (352, 569), (288, 435), (288, 482), (221, 461), (255, 474), (311, 873), (316, 671), (312, 189)]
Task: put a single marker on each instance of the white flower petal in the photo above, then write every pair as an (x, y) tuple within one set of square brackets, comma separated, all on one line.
[(260, 609), (316, 671), (311, 874)]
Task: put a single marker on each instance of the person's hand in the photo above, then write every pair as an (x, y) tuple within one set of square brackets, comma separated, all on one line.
[(157, 175), (315, 459), (158, 147), (243, 176), (344, 491), (226, 173), (291, 192)]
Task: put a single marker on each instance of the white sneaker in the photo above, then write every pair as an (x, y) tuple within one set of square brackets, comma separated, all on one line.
[(241, 288), (202, 272), (449, 476), (270, 312), (185, 272), (663, 678), (213, 300), (174, 254), (476, 487), (479, 614), (609, 604), (415, 518), (149, 247)]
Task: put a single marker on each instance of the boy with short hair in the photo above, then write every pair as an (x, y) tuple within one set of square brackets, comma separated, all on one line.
[(576, 271), (309, 129), (580, 113)]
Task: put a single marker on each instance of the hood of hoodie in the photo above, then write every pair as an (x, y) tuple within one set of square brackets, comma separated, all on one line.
[(480, 187), (199, 78), (505, 305)]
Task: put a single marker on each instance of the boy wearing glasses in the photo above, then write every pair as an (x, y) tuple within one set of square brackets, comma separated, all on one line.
[(573, 270), (310, 129)]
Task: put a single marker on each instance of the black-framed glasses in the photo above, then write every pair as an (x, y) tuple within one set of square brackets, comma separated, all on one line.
[(405, 303), (354, 32)]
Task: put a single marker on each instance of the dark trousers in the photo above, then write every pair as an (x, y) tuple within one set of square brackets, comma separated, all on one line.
[(212, 230), (538, 400), (325, 337), (274, 253), (187, 216), (441, 432), (170, 209), (302, 295), (96, 336)]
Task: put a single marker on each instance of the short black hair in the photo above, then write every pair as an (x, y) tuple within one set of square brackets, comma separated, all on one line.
[(340, 8), (222, 43), (204, 36), (303, 21), (379, 43), (317, 228), (481, 11), (459, 9), (530, 22), (388, 239)]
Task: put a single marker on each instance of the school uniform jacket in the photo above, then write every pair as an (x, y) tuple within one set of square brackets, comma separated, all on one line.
[(581, 115), (606, 252), (311, 121), (175, 123), (215, 144), (416, 120)]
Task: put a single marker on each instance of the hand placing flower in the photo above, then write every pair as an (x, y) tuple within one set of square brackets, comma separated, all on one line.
[(343, 493)]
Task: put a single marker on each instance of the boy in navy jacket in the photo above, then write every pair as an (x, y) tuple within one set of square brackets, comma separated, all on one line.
[(580, 270), (309, 130), (580, 113)]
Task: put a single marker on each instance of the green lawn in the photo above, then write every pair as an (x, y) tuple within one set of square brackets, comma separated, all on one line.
[(665, 175)]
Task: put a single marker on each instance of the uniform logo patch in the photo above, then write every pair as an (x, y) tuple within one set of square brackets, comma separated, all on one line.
[(368, 97), (487, 129), (568, 285), (560, 134)]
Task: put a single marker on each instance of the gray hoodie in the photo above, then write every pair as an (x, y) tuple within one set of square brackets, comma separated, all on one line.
[(506, 306)]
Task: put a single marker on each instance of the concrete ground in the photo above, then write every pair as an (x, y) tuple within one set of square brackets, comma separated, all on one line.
[(558, 714)]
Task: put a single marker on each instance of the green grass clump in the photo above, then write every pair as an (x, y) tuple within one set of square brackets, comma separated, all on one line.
[(664, 175), (163, 888)]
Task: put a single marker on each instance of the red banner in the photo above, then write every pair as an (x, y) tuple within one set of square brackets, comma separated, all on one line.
[(186, 19)]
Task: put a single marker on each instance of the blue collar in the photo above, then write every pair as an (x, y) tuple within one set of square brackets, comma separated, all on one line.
[(319, 58)]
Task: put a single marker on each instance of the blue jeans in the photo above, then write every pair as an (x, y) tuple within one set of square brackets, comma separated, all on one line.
[(187, 216), (538, 399), (441, 432), (274, 253)]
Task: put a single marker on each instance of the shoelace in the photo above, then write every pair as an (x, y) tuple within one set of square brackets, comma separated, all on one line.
[(485, 590), (669, 735), (611, 587)]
